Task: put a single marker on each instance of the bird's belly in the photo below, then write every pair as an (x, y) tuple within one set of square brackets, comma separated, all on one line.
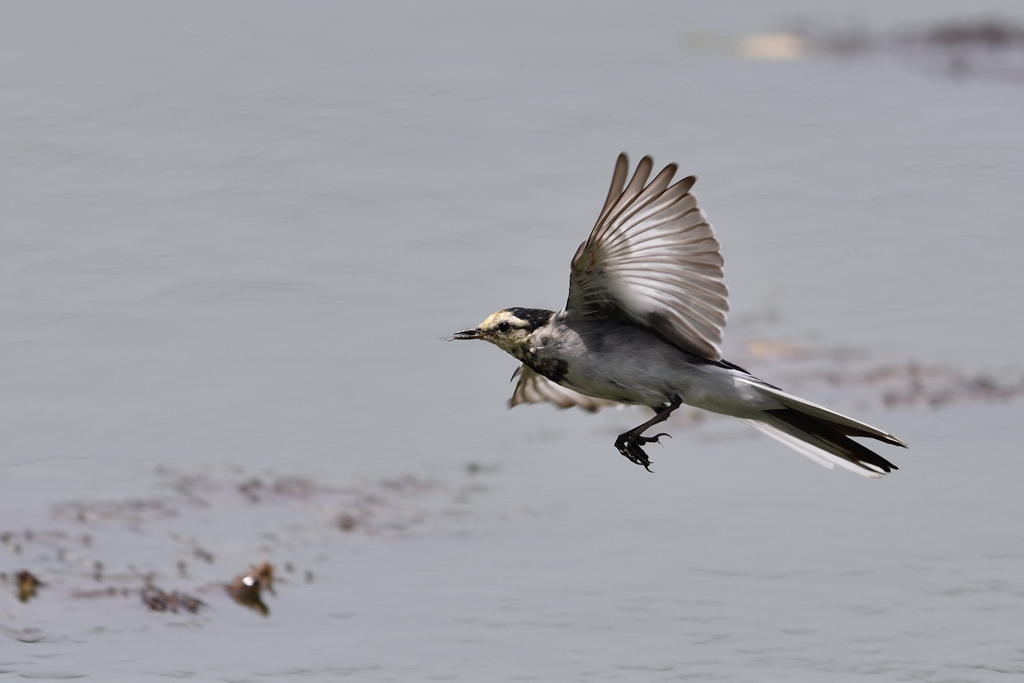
[(722, 390), (623, 387), (657, 380)]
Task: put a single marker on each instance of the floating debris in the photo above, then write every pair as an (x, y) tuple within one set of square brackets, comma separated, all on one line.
[(135, 511), (346, 522), (909, 384), (161, 601), (108, 592), (989, 48), (28, 585), (474, 468), (246, 589), (204, 555), (986, 48), (98, 551), (256, 491)]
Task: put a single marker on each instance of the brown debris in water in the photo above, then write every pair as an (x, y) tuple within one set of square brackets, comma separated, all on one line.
[(97, 551), (161, 601), (988, 33), (985, 48), (372, 510), (934, 386), (27, 584), (256, 490), (134, 511), (796, 367), (246, 588), (108, 592)]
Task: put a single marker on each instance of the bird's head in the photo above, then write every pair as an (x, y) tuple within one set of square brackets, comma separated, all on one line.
[(510, 329)]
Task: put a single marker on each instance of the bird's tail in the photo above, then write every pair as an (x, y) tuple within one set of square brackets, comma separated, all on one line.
[(823, 435)]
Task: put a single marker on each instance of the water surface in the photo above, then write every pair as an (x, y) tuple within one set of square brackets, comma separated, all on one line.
[(234, 234)]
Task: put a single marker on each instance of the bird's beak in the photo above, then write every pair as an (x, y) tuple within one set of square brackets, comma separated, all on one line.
[(475, 333)]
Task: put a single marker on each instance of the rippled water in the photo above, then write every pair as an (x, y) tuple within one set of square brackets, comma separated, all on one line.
[(233, 236)]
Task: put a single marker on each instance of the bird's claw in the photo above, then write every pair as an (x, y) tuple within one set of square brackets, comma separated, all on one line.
[(652, 439), (629, 445)]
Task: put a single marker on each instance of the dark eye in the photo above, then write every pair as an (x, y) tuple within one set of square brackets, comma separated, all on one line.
[(504, 327)]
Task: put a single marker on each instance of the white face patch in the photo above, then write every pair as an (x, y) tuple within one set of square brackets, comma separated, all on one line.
[(494, 321), (506, 331)]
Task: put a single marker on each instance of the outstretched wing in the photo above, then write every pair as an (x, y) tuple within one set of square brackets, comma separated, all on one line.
[(653, 258), (536, 388)]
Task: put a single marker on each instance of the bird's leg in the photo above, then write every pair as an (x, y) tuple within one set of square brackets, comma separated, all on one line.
[(629, 443)]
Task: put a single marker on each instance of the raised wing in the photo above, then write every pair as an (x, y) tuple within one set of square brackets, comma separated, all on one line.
[(653, 257), (536, 388)]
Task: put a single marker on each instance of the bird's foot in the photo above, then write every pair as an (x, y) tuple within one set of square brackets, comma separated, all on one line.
[(630, 446)]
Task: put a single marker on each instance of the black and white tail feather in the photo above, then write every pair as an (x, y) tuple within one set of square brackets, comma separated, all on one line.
[(822, 435)]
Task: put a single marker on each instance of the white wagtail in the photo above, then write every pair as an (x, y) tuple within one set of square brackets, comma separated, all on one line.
[(643, 325)]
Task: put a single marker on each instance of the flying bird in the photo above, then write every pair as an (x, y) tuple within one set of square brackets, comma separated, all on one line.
[(643, 326)]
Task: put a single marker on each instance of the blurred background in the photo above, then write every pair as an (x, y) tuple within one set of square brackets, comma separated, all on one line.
[(233, 236)]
